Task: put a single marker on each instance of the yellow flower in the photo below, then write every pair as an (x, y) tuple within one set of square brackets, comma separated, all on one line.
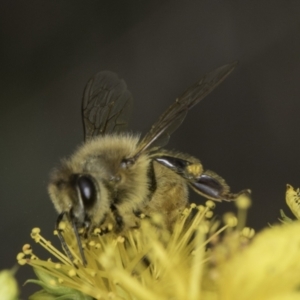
[(8, 285), (199, 260), (146, 263), (292, 198), (267, 269)]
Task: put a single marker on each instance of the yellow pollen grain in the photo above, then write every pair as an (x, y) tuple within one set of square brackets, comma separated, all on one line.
[(22, 262), (52, 282), (243, 202), (92, 243), (35, 230), (55, 232), (60, 280), (209, 214), (111, 295), (203, 228), (201, 208), (210, 204), (97, 231), (98, 246), (120, 239), (76, 261), (193, 205), (62, 225), (110, 226), (26, 247), (157, 219), (230, 219), (142, 216), (93, 273), (185, 212), (57, 266), (248, 232), (194, 169), (20, 255), (72, 273)]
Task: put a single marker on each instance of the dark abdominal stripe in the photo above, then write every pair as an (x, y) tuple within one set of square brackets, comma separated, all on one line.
[(152, 180), (118, 196)]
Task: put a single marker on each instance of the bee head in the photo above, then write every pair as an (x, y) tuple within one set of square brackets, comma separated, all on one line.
[(77, 193)]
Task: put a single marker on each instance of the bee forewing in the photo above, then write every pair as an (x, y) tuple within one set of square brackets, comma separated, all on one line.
[(171, 119), (106, 105)]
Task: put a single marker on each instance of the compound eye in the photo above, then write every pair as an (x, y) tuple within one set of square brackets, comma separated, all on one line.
[(87, 190)]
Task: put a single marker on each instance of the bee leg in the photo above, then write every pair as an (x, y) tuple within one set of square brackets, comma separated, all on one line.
[(78, 240), (207, 184), (212, 186), (61, 238), (176, 164), (182, 167), (118, 218)]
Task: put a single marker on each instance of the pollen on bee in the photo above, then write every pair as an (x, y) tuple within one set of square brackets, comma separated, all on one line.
[(92, 243), (97, 231), (62, 225), (194, 169)]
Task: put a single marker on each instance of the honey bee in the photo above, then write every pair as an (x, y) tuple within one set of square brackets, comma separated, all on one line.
[(115, 176)]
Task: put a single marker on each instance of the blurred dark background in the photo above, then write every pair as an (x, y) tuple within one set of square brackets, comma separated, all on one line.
[(247, 130)]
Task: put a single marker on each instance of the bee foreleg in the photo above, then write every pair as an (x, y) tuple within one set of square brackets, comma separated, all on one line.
[(61, 237), (78, 240)]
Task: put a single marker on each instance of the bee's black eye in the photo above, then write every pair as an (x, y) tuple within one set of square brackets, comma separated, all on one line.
[(87, 190)]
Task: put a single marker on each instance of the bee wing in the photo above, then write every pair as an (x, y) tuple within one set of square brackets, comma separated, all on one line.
[(170, 120), (106, 105)]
